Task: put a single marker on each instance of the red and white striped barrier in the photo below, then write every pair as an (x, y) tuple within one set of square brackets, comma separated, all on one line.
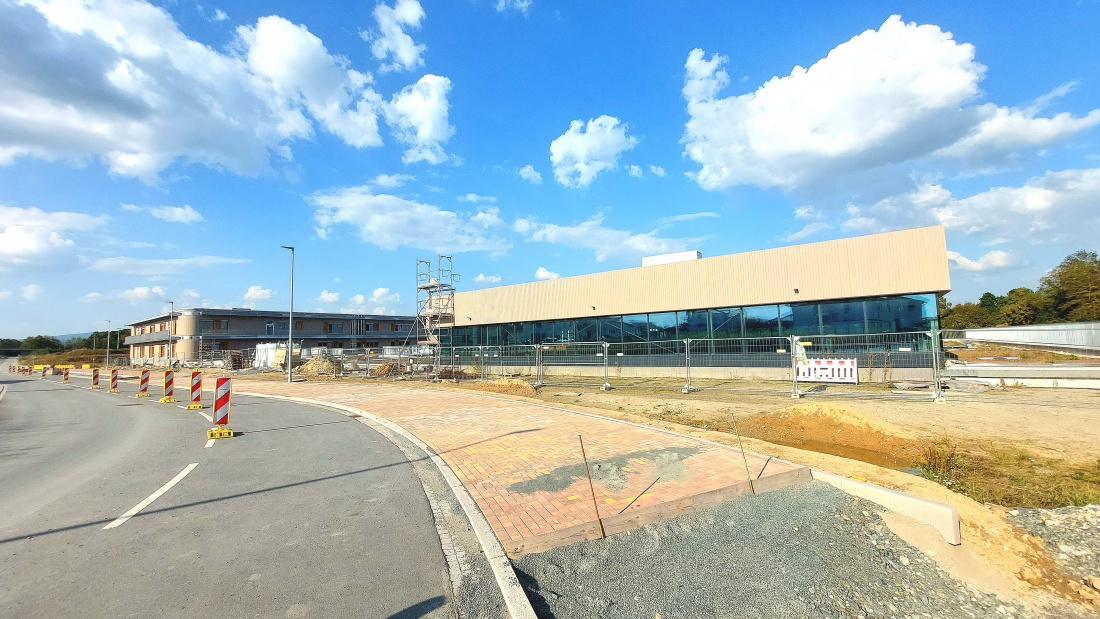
[(169, 387), (95, 378), (223, 400), (43, 371), (114, 382), (143, 385), (65, 376), (196, 391)]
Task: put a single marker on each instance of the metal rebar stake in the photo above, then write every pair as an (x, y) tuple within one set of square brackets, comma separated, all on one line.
[(794, 371), (687, 366), (592, 489), (606, 352)]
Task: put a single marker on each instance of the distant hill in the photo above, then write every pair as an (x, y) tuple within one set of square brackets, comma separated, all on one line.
[(73, 336)]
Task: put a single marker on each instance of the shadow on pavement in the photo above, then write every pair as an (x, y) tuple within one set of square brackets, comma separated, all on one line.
[(420, 609)]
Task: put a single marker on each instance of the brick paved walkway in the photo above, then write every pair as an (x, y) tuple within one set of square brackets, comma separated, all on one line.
[(522, 462)]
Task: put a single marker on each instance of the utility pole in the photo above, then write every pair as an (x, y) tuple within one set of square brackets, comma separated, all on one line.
[(290, 320)]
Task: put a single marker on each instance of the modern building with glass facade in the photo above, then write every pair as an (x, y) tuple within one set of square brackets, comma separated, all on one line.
[(877, 284)]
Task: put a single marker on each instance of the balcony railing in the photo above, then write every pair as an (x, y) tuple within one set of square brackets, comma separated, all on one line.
[(282, 333)]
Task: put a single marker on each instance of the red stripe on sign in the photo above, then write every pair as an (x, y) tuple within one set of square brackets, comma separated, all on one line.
[(223, 395)]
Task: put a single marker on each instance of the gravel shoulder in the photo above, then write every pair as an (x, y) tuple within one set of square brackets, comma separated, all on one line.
[(804, 551)]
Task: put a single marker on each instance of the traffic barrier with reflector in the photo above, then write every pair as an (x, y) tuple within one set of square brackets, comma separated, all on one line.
[(143, 387), (223, 401), (169, 387), (196, 391), (65, 375), (43, 372), (114, 382), (95, 378)]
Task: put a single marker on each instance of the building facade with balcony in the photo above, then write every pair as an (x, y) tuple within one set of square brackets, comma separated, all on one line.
[(199, 333)]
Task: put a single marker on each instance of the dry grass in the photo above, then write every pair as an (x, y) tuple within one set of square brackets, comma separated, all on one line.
[(1010, 476), (977, 351), (76, 357)]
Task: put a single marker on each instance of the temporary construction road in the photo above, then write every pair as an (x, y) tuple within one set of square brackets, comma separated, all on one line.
[(305, 514)]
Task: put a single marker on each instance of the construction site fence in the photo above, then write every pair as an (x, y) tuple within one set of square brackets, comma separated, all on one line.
[(894, 363)]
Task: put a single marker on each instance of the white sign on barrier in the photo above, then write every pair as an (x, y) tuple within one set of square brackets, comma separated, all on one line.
[(828, 371)]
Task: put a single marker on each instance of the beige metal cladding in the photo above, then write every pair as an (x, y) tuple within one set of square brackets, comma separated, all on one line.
[(891, 263)]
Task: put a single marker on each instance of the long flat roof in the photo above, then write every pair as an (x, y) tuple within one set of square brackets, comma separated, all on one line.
[(891, 263), (245, 312)]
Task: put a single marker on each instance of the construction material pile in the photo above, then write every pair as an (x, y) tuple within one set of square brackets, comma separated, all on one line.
[(384, 369), (317, 365)]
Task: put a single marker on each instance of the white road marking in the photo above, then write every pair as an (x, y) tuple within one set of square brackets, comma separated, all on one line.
[(152, 497), (208, 417), (209, 444)]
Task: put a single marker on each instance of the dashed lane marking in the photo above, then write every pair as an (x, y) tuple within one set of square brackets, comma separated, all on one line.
[(152, 497)]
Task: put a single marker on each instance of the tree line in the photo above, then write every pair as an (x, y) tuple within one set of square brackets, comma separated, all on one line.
[(42, 344), (1068, 293)]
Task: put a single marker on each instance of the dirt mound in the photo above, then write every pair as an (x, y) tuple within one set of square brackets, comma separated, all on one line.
[(317, 365), (509, 386), (837, 430)]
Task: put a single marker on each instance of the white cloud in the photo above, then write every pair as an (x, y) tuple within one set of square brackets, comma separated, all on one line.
[(487, 217), (179, 214), (530, 174), (328, 297), (31, 292), (391, 181), (807, 231), (390, 44), (219, 15), (634, 171), (808, 212), (543, 273), (657, 170), (605, 242), (119, 82), (381, 301), (190, 295), (91, 297), (990, 261), (487, 279), (473, 197), (664, 222), (584, 151), (258, 293), (170, 266), (519, 5), (418, 117), (141, 293), (1054, 207), (390, 222), (30, 236), (5, 294), (894, 95)]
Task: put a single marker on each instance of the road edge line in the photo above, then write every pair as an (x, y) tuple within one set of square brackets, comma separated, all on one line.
[(515, 599), (135, 510)]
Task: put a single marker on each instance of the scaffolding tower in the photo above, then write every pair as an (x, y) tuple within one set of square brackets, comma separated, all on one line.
[(435, 300)]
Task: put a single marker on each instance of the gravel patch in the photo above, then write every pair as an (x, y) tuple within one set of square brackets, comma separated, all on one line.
[(1072, 534), (802, 551)]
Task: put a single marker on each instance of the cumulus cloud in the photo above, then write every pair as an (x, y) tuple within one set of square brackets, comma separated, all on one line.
[(328, 297), (487, 217), (530, 174), (392, 181), (664, 222), (29, 237), (657, 170), (141, 293), (900, 93), (487, 279), (390, 221), (585, 150), (161, 266), (605, 242), (807, 231), (418, 116), (473, 197), (544, 273), (119, 82), (190, 295), (91, 297), (390, 44), (257, 292), (381, 301), (635, 171), (30, 292), (990, 261), (518, 5), (178, 214)]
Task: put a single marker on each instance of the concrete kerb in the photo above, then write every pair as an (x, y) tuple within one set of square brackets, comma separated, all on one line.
[(519, 607), (942, 517)]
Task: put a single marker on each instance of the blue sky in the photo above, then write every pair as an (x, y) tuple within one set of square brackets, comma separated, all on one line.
[(164, 151)]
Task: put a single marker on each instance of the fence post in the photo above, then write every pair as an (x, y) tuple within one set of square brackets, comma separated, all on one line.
[(937, 378), (606, 351), (687, 366), (794, 370), (538, 366)]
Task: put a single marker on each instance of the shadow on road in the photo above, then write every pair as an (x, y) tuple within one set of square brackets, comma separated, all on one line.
[(419, 609), (239, 495)]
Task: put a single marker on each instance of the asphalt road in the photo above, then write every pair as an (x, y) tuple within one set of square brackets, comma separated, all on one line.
[(307, 513)]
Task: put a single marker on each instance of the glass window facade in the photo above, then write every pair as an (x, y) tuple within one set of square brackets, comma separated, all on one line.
[(898, 314)]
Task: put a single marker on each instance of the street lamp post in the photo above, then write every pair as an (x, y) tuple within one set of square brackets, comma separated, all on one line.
[(290, 320)]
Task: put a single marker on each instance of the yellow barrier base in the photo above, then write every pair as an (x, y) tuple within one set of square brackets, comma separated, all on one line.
[(142, 395), (167, 400), (94, 387), (194, 406), (219, 432), (113, 391)]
